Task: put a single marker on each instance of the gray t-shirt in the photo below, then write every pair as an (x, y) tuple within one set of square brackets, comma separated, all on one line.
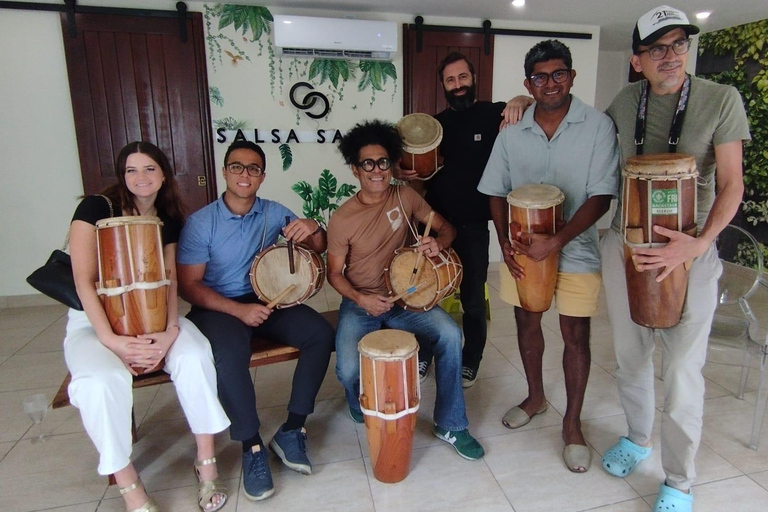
[(714, 115), (582, 160)]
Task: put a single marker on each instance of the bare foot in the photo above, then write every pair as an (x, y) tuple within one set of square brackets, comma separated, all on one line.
[(532, 406)]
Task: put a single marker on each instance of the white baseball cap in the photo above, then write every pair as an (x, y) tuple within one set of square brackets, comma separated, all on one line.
[(657, 22)]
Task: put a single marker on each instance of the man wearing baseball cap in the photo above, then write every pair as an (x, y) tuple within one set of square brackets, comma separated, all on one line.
[(671, 111)]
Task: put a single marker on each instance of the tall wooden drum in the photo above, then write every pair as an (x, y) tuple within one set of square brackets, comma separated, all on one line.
[(535, 208), (436, 278), (422, 135), (389, 399), (133, 284), (270, 274), (659, 190)]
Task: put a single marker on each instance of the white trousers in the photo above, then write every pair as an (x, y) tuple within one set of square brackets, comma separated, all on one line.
[(684, 349), (101, 388)]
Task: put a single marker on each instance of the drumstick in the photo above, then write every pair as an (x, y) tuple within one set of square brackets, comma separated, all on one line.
[(421, 254), (291, 265), (406, 292), (280, 296)]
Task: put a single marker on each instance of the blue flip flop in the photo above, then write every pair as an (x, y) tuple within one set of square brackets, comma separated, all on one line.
[(623, 457), (672, 499)]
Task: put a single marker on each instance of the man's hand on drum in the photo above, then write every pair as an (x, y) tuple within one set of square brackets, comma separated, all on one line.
[(536, 246), (514, 110), (681, 248), (429, 246), (402, 174), (374, 305), (136, 352), (300, 229), (252, 314), (514, 268)]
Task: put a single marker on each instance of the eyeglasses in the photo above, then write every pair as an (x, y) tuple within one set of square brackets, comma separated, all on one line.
[(369, 164), (658, 52), (253, 169), (541, 79)]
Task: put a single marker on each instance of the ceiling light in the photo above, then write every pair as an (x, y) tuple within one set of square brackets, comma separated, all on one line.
[(518, 3), (703, 15)]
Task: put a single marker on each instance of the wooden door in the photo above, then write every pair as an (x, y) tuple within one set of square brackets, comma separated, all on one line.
[(131, 78), (422, 89)]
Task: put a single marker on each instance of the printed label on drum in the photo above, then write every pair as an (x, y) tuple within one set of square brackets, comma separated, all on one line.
[(664, 202)]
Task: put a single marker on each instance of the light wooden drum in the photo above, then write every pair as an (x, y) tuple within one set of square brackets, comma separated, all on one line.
[(659, 190), (535, 208), (133, 285), (389, 399), (270, 274), (421, 135), (436, 277)]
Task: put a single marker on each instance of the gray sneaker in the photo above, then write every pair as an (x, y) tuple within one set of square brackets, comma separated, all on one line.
[(423, 371)]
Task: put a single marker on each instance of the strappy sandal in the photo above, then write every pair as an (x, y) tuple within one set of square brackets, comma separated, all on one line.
[(209, 488), (148, 506)]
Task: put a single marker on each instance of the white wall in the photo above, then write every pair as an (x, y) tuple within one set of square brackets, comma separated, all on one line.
[(42, 175), (41, 171)]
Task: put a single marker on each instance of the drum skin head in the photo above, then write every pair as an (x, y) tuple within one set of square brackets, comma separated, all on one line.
[(388, 344), (270, 274), (535, 196), (421, 133), (128, 220), (660, 164), (400, 271)]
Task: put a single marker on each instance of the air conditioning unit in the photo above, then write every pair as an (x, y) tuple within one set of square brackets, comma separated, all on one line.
[(335, 38)]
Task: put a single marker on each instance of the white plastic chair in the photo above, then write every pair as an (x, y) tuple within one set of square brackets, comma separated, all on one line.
[(737, 326)]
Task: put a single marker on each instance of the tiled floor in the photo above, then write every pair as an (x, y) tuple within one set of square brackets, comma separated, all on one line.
[(522, 471)]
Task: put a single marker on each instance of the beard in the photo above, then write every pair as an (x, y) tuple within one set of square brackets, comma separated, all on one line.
[(462, 102)]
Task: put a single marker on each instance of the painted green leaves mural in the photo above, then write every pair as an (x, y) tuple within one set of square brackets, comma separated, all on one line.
[(215, 95), (246, 17), (286, 155), (375, 73), (331, 69), (325, 198)]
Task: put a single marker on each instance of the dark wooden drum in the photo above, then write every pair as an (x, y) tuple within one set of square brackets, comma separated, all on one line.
[(659, 190), (421, 135)]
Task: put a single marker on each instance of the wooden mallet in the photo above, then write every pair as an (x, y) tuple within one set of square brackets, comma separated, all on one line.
[(280, 296), (291, 264), (409, 291), (421, 254)]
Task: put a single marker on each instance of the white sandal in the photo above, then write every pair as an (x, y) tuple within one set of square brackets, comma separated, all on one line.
[(209, 488), (148, 506)]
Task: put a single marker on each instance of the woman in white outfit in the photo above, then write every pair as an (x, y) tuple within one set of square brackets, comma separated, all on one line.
[(102, 363)]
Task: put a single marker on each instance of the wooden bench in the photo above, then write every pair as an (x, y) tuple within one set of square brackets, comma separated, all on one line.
[(263, 352)]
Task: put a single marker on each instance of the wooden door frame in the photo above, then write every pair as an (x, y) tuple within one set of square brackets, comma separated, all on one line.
[(85, 140)]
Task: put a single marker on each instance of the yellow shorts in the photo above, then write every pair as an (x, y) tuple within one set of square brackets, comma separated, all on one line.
[(575, 294)]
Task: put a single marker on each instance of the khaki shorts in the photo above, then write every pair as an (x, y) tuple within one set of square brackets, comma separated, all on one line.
[(575, 294)]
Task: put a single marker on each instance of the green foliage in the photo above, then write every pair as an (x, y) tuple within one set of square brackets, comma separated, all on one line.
[(287, 155), (215, 41), (746, 255), (750, 76), (330, 69), (215, 94), (245, 18), (230, 123), (325, 198), (375, 74)]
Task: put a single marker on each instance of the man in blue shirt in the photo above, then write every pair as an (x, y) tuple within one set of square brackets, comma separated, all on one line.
[(216, 249)]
